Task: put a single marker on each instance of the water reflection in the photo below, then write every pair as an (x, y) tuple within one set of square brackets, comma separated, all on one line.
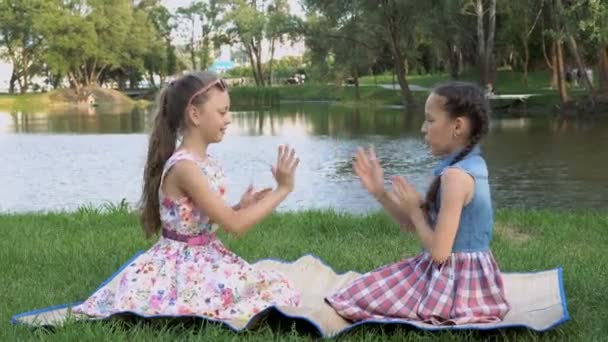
[(77, 120), (534, 162)]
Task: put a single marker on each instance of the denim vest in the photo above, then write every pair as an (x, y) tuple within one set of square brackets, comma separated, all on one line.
[(477, 218)]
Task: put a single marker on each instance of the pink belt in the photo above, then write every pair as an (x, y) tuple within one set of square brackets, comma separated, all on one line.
[(191, 240)]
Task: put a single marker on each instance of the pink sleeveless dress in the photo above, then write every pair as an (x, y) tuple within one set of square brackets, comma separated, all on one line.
[(199, 277)]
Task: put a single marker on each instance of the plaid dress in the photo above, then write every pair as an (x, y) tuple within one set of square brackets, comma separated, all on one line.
[(468, 288)]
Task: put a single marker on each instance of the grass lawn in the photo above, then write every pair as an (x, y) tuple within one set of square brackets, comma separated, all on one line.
[(372, 95), (55, 258), (64, 99)]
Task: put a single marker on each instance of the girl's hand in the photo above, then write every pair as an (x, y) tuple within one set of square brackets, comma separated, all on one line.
[(409, 199), (369, 171), (250, 197), (285, 169)]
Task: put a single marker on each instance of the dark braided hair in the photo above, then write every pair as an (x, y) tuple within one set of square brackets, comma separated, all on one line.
[(462, 99)]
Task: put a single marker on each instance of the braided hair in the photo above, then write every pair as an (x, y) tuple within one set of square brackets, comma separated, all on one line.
[(462, 99)]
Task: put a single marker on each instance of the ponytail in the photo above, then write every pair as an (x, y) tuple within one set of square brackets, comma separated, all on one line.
[(161, 146)]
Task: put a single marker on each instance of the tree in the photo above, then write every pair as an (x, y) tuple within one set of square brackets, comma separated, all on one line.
[(70, 41), (592, 18), (396, 18), (568, 32), (315, 33), (252, 22), (21, 39), (280, 24), (188, 15), (349, 37), (557, 33), (389, 20), (202, 25), (248, 23), (447, 30), (485, 12), (85, 39), (131, 62), (161, 59), (524, 19)]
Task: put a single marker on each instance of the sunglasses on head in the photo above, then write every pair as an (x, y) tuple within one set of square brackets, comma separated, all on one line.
[(220, 83)]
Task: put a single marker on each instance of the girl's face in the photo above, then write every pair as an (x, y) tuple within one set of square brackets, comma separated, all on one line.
[(442, 133), (213, 117)]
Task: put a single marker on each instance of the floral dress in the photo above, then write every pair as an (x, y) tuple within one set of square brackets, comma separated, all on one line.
[(195, 276)]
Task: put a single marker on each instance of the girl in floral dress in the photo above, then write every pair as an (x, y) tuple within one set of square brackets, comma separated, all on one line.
[(189, 271)]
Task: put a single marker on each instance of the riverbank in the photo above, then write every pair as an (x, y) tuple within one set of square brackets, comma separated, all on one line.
[(59, 99), (383, 90)]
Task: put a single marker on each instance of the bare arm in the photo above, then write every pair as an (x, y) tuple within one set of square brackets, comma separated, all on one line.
[(391, 204), (456, 190), (196, 186), (371, 176)]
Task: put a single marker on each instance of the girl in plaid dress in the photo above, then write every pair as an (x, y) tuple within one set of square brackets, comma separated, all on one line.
[(455, 280)]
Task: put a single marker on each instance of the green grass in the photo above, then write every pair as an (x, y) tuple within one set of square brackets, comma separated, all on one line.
[(371, 95), (26, 102), (507, 81), (57, 100), (56, 258)]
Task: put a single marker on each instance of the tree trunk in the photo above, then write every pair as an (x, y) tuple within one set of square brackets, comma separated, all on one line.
[(453, 60), (490, 60), (133, 82), (252, 63), (550, 63), (204, 58), (579, 63), (74, 82), (26, 82), (559, 13), (56, 80), (151, 78), (22, 85), (11, 83), (486, 45), (561, 84), (192, 48), (526, 59), (406, 95), (460, 62), (25, 72), (272, 42), (257, 52), (526, 40), (122, 82), (603, 68), (553, 65), (356, 77), (481, 42)]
